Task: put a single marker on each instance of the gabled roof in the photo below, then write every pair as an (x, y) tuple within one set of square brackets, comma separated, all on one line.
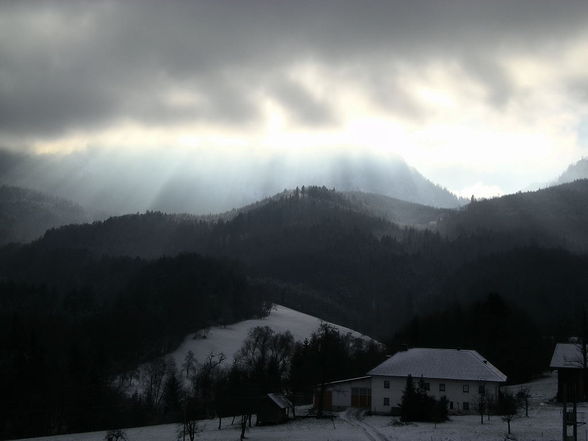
[(449, 364), (281, 401), (567, 355)]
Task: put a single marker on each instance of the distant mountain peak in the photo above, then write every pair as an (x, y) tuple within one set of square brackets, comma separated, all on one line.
[(578, 170), (129, 184)]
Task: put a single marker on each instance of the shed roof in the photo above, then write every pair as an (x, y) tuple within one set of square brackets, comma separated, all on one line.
[(567, 355), (349, 380), (280, 400), (449, 364)]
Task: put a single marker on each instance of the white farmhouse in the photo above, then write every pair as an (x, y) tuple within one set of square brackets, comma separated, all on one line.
[(461, 376)]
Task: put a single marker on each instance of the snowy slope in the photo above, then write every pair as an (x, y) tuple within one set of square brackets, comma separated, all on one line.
[(229, 339), (308, 429)]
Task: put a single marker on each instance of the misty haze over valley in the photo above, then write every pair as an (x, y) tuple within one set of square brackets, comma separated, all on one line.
[(270, 220)]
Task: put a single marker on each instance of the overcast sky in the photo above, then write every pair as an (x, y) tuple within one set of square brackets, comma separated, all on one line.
[(481, 96)]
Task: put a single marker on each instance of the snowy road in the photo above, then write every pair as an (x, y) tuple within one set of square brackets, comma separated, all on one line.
[(355, 418)]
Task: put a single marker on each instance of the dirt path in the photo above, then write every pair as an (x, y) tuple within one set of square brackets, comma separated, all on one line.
[(355, 418)]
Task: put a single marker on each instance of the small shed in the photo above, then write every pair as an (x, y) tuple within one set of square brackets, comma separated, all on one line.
[(274, 408), (569, 361)]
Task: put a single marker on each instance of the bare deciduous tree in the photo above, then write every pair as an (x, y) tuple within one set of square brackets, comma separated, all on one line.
[(204, 380), (188, 429), (523, 396), (153, 376), (507, 407), (265, 356), (189, 364)]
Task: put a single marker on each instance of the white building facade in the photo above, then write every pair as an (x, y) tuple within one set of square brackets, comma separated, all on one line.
[(462, 396)]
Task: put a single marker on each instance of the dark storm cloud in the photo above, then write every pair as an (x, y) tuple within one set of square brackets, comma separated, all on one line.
[(302, 105), (68, 65)]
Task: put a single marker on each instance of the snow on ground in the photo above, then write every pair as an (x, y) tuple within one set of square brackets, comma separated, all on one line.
[(229, 339), (307, 429), (543, 424), (542, 390)]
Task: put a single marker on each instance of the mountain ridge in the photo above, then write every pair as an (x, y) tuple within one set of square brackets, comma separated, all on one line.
[(117, 184), (554, 216), (575, 171), (26, 214)]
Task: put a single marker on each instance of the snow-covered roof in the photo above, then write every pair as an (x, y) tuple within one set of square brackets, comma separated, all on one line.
[(567, 355), (281, 401), (449, 364)]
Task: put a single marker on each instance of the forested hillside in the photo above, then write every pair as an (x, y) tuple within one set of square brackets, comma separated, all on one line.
[(503, 333), (328, 254), (554, 216), (86, 295), (25, 214), (60, 349)]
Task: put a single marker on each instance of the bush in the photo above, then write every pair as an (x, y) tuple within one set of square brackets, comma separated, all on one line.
[(115, 435), (416, 405)]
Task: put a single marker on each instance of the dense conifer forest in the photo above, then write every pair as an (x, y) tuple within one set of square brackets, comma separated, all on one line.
[(88, 302)]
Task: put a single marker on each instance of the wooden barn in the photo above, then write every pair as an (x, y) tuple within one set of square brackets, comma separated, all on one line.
[(274, 408)]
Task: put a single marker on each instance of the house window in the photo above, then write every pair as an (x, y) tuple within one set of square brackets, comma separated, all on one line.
[(442, 387), (466, 388), (386, 384), (451, 405), (427, 386), (481, 389), (466, 405), (386, 401)]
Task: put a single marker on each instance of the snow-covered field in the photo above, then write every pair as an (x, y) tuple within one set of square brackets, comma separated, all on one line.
[(229, 339), (543, 423)]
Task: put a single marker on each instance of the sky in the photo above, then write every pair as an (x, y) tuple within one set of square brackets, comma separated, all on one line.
[(482, 97)]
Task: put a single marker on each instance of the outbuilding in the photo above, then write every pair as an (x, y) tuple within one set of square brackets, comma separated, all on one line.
[(568, 360), (341, 394), (274, 408)]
